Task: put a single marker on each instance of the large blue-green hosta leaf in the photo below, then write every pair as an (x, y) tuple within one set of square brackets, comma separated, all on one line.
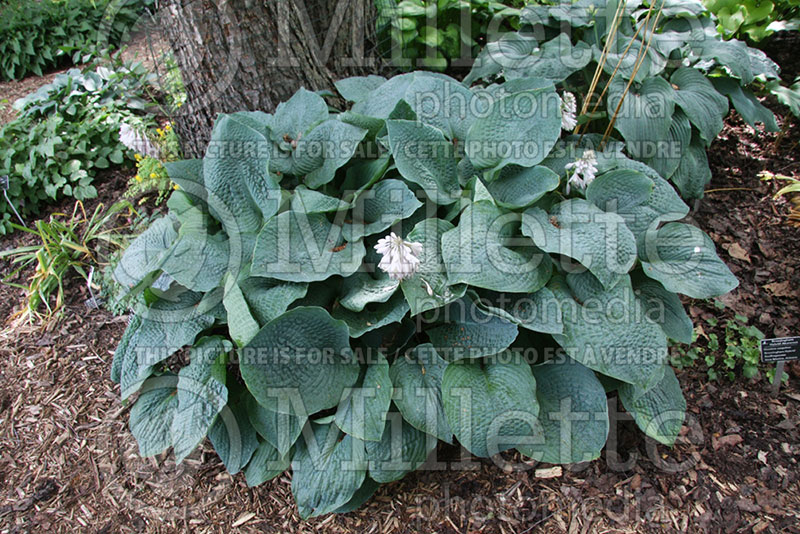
[(554, 60), (469, 332), (266, 464), (232, 435), (400, 450), (417, 379), (201, 395), (242, 326), (320, 153), (485, 250), (491, 406), (152, 415), (539, 311), (363, 288), (693, 172), (373, 316), (665, 157), (298, 115), (575, 228), (157, 332), (146, 253), (683, 258), (362, 413), (280, 430), (701, 102), (310, 201), (573, 414), (326, 470), (519, 187), (301, 247), (241, 191), (645, 115), (425, 157), (443, 103), (267, 299), (518, 129), (509, 50), (608, 332), (376, 209), (358, 88), (304, 353), (642, 201), (660, 411), (746, 104), (663, 307)]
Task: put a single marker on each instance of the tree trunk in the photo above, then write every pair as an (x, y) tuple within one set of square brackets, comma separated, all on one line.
[(239, 55)]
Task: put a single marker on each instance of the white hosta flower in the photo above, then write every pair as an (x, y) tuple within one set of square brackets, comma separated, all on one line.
[(137, 142), (400, 258), (583, 170), (569, 110)]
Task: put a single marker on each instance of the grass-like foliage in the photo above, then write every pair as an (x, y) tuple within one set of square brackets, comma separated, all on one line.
[(42, 35), (437, 262), (66, 244), (64, 133)]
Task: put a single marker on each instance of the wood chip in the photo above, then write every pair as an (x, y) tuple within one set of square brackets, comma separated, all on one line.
[(549, 472), (244, 518)]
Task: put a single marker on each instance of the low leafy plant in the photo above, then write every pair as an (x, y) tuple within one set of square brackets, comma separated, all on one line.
[(66, 245), (738, 353), (43, 35), (63, 134), (756, 19), (656, 75), (354, 287), (432, 34)]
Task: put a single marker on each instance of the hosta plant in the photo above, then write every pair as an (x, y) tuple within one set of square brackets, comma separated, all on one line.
[(334, 293), (656, 75)]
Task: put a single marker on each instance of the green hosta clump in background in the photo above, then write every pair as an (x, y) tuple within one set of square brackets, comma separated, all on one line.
[(436, 263), (757, 19), (64, 133), (431, 34)]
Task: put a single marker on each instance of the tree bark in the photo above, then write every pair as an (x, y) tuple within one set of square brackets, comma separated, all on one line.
[(239, 55)]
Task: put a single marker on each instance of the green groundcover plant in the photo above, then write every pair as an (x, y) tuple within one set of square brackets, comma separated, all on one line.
[(42, 35), (335, 292), (64, 133)]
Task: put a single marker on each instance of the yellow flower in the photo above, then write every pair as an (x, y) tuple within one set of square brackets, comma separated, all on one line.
[(153, 175), (159, 131), (138, 178), (138, 157), (168, 127), (176, 187)]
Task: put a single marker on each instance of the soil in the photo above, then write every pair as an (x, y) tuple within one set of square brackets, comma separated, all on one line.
[(69, 463)]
